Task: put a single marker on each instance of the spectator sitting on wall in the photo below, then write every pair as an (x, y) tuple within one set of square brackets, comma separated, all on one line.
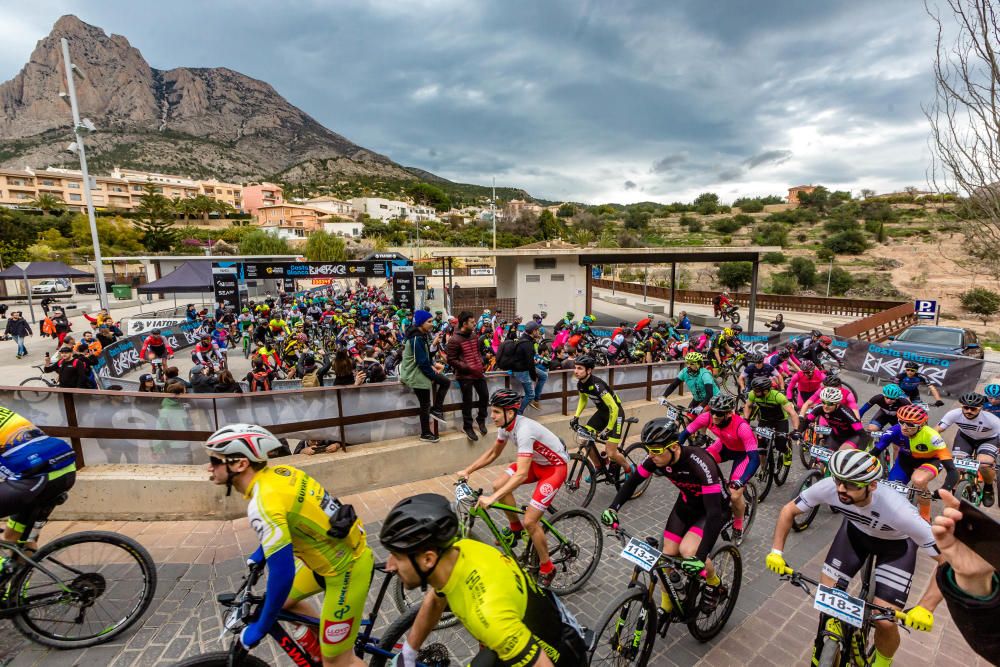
[(202, 379), (310, 447)]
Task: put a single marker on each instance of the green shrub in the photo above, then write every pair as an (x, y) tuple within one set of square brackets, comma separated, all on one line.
[(749, 205), (839, 279), (726, 225), (735, 274), (726, 240), (804, 271), (847, 243), (743, 219), (782, 283), (981, 302), (774, 258), (771, 234), (694, 225), (824, 254)]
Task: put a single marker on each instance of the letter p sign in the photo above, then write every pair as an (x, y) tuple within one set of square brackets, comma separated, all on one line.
[(925, 310)]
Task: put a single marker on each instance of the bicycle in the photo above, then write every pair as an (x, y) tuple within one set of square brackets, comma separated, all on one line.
[(682, 419), (574, 538), (970, 482), (243, 606), (750, 500), (72, 593), (730, 313), (819, 456), (854, 643), (727, 378), (583, 476), (813, 435), (630, 624), (772, 466), (37, 381)]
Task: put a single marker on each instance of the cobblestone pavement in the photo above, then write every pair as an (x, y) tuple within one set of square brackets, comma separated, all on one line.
[(771, 625)]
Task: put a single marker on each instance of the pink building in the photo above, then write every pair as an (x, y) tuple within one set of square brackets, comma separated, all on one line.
[(261, 194)]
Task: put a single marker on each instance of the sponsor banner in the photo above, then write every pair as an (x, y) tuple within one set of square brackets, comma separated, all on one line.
[(322, 281), (441, 272), (482, 271), (122, 357), (225, 284), (138, 325), (955, 374), (255, 270), (402, 287), (421, 282)]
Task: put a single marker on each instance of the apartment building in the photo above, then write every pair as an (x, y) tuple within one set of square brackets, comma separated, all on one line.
[(333, 206), (256, 195), (290, 220), (378, 208)]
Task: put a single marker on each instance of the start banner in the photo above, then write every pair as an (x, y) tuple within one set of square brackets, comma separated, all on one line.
[(138, 325)]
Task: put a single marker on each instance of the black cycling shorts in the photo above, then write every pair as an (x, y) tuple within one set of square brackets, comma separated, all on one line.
[(28, 501), (895, 561), (684, 518), (599, 421), (973, 447)]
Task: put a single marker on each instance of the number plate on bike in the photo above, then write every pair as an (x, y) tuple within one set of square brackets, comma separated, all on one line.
[(821, 453), (672, 414), (966, 463), (462, 493), (765, 432), (640, 553), (822, 430), (896, 486), (839, 604)]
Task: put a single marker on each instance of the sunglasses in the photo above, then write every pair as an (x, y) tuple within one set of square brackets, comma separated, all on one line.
[(830, 405), (216, 462), (908, 425), (656, 450), (971, 408), (850, 485)]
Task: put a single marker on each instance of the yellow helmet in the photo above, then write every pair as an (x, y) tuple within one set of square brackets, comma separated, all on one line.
[(727, 332)]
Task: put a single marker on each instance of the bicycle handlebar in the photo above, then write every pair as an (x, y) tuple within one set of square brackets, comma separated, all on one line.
[(800, 580)]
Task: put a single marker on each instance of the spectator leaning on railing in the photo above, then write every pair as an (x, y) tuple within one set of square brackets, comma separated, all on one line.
[(417, 372)]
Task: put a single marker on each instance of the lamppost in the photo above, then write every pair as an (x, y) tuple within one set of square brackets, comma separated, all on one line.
[(77, 147)]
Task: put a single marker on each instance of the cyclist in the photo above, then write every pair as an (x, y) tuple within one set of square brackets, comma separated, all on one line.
[(619, 349), (541, 458), (878, 522), (701, 510), (922, 454), (156, 344), (565, 323), (278, 327), (817, 348), (727, 344), (771, 409), (755, 368), (699, 381), (831, 380), (206, 352), (846, 428), (36, 470), (515, 621), (910, 380), (992, 405), (888, 402), (721, 302), (644, 326), (806, 382), (310, 541), (978, 435), (704, 342), (609, 418), (735, 441)]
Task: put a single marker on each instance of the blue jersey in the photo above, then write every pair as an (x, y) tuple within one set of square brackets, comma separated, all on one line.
[(992, 409), (25, 451), (911, 385)]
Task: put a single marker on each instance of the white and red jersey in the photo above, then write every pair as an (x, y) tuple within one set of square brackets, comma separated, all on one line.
[(533, 439)]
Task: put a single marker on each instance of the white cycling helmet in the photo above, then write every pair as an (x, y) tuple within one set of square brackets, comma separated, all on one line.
[(854, 465), (242, 440), (831, 395)]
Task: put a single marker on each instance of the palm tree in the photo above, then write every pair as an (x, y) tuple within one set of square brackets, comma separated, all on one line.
[(182, 205), (203, 205), (47, 203)]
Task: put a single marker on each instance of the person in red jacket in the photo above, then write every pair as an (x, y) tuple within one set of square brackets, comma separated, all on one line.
[(156, 344), (463, 356)]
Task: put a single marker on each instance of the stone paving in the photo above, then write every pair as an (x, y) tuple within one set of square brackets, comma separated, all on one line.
[(771, 625)]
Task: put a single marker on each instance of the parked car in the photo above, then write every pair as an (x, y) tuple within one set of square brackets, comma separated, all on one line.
[(924, 338), (52, 286)]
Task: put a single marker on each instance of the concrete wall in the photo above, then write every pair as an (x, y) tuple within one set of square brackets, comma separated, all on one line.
[(561, 288), (160, 492)]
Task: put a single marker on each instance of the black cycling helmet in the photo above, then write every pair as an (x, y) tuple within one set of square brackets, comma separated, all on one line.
[(833, 381), (659, 431), (760, 382), (418, 523), (722, 403), (911, 366), (586, 361), (972, 400), (816, 333), (755, 358), (154, 332), (737, 328), (784, 354), (505, 398)]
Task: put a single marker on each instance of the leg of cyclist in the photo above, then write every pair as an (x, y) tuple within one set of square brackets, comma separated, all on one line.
[(28, 504), (550, 479), (920, 478), (513, 518), (987, 455)]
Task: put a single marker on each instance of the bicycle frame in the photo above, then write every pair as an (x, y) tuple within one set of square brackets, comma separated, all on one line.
[(7, 609)]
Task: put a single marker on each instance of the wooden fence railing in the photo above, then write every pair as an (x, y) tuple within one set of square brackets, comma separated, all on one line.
[(801, 304), (880, 326)]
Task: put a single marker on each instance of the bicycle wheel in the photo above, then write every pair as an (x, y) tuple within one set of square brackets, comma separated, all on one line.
[(636, 454), (392, 636), (579, 487), (106, 582), (220, 659), (780, 469), (765, 474), (830, 656), (728, 565), (750, 498), (735, 317), (405, 599), (34, 396), (804, 454), (968, 490), (626, 632), (575, 542), (802, 521)]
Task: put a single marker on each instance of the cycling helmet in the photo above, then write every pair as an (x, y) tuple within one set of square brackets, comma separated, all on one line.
[(760, 382), (588, 319), (808, 367), (892, 391), (831, 395), (693, 358), (992, 391), (723, 403), (791, 347), (569, 315), (833, 381), (586, 361), (972, 400), (505, 398), (245, 310), (302, 338), (418, 523), (659, 431), (537, 318), (815, 333), (825, 340), (737, 329), (755, 358), (154, 332), (854, 465), (709, 333), (784, 354), (727, 332), (913, 414), (247, 441), (436, 312), (911, 366), (650, 316)]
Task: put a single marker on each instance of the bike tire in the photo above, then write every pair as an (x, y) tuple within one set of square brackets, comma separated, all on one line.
[(579, 487), (830, 656), (966, 490), (34, 396), (751, 498), (735, 575), (765, 473), (735, 317), (220, 659), (568, 554), (22, 581), (804, 456), (399, 597), (636, 454), (392, 636), (802, 521), (611, 622), (780, 469)]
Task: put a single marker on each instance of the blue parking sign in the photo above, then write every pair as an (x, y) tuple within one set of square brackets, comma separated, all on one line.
[(924, 309)]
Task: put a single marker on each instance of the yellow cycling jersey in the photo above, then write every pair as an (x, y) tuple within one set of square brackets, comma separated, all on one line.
[(502, 608), (288, 506)]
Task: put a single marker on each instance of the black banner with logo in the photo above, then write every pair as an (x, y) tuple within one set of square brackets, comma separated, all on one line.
[(122, 357), (402, 287), (225, 284)]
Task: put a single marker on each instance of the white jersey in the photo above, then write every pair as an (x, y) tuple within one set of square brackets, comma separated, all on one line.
[(981, 427), (533, 439), (889, 515)]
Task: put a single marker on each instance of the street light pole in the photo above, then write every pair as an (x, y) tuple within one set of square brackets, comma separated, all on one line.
[(88, 198), (829, 277), (493, 212)]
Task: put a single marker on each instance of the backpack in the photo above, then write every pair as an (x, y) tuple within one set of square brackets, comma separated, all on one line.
[(311, 379), (506, 355), (48, 327)]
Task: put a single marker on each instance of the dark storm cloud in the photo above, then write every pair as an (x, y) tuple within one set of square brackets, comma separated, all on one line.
[(672, 97)]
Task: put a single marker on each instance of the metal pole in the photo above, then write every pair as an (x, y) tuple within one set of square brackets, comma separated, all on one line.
[(673, 286), (102, 290), (27, 288), (829, 277), (752, 311), (493, 211), (645, 282)]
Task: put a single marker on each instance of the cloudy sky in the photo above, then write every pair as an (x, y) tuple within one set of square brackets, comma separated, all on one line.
[(571, 99)]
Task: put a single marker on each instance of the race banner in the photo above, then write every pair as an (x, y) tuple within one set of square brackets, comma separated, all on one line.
[(257, 270), (954, 374), (122, 357), (138, 325)]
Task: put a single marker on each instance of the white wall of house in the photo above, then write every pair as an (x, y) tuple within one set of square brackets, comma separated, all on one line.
[(346, 229)]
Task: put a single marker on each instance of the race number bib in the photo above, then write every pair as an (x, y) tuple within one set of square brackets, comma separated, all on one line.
[(837, 603), (638, 552)]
